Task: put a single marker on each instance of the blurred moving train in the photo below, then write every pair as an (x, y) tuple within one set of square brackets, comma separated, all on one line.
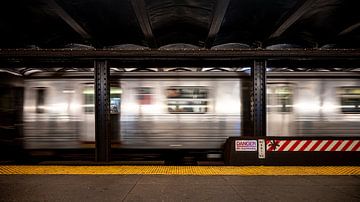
[(147, 113), (177, 112)]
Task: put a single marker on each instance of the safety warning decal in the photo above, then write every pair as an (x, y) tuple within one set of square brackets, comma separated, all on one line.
[(261, 151), (245, 145), (312, 145)]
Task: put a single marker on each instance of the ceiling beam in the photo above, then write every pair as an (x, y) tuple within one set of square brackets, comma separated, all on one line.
[(349, 29), (170, 56), (11, 71), (300, 10), (59, 11), (142, 16), (217, 18)]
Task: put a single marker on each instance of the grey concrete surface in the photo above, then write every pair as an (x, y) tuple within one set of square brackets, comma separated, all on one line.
[(178, 188)]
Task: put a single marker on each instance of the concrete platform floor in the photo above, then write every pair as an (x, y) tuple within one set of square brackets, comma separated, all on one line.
[(178, 188)]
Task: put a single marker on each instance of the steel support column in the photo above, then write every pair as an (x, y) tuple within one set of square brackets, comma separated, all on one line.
[(102, 111), (258, 98)]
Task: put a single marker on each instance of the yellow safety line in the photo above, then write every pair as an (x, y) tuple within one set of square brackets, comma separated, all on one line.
[(180, 170)]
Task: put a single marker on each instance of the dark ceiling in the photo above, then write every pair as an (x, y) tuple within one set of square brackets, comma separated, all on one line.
[(212, 24)]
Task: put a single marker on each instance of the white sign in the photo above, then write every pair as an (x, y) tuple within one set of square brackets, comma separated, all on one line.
[(245, 145), (261, 151)]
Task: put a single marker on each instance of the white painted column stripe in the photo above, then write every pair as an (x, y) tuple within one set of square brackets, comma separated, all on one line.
[(300, 145), (320, 146), (310, 145), (332, 145)]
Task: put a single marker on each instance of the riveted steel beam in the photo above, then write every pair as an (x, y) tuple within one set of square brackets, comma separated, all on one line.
[(175, 55), (102, 111), (258, 98), (179, 58)]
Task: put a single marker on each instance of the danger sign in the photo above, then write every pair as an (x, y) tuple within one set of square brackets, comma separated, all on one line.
[(245, 145)]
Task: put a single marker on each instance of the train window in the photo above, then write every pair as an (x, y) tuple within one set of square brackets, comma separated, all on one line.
[(89, 99), (144, 95), (40, 100), (280, 98), (350, 99), (115, 100), (187, 99)]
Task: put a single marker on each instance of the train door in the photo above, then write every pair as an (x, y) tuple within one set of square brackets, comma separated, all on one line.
[(115, 106), (11, 99), (88, 129), (88, 126), (280, 113)]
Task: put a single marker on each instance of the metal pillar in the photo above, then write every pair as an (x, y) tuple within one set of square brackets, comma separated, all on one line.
[(258, 98), (102, 111)]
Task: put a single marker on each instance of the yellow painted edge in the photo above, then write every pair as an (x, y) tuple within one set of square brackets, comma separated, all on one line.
[(179, 170)]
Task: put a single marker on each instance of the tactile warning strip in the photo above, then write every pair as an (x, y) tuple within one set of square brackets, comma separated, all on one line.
[(181, 170)]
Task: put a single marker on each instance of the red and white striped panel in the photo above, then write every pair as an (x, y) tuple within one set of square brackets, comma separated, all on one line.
[(312, 145)]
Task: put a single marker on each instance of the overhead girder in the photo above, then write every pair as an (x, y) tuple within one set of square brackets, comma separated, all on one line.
[(28, 61), (181, 55), (59, 11), (142, 16), (217, 18), (350, 29), (293, 18)]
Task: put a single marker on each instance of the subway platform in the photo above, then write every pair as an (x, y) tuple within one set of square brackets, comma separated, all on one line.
[(179, 183)]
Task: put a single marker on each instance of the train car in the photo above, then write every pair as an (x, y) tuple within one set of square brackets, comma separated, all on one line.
[(310, 104), (186, 113), (145, 114)]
